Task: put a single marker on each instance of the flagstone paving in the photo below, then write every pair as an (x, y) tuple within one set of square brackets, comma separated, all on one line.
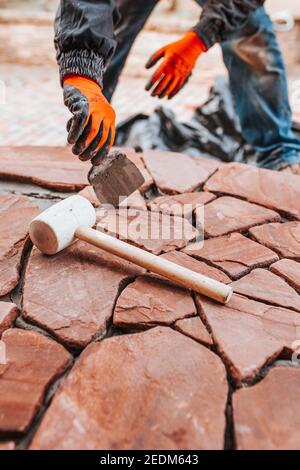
[(97, 353)]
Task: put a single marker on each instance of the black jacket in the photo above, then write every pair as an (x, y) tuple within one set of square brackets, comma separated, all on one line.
[(84, 31)]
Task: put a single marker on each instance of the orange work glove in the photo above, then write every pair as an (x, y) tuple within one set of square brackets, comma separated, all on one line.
[(179, 59), (92, 127)]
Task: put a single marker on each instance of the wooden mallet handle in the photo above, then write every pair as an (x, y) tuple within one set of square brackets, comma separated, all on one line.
[(172, 271)]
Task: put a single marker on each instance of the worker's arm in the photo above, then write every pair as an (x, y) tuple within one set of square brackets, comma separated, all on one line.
[(218, 19), (84, 42)]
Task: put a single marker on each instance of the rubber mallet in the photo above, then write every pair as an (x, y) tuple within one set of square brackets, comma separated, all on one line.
[(73, 218)]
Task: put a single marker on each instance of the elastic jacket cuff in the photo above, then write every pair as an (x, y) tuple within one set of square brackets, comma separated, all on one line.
[(85, 63)]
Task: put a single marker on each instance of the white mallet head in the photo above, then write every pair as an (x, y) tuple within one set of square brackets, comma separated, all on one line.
[(54, 229)]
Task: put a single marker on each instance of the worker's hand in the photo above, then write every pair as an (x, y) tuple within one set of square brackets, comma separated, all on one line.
[(179, 59), (92, 127)]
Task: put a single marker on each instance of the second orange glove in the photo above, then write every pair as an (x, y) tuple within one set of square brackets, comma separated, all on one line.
[(92, 127), (179, 59)]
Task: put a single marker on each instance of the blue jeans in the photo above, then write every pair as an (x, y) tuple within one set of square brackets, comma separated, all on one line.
[(257, 80)]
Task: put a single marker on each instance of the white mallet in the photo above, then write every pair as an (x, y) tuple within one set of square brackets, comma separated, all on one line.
[(57, 227)]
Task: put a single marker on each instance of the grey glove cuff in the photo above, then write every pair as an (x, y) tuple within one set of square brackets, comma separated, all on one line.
[(86, 63)]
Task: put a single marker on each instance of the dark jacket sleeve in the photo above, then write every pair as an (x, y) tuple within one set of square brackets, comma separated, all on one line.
[(219, 18), (84, 37)]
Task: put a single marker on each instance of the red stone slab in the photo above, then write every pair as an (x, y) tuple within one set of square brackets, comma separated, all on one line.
[(50, 167), (176, 173), (282, 238), (198, 266), (135, 200), (72, 294), (182, 205), (152, 390), (33, 362), (16, 212), (249, 334), (152, 231), (267, 415), (194, 328), (8, 314), (235, 254), (10, 445), (288, 270), (263, 285), (228, 214), (151, 301), (273, 189)]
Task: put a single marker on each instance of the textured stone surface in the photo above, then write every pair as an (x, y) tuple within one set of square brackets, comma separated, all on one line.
[(153, 390), (72, 294), (195, 265), (228, 214), (194, 328), (50, 167), (152, 231), (8, 314), (272, 189), (135, 200), (10, 445), (263, 285), (175, 173), (267, 416), (282, 238), (182, 205), (151, 301), (249, 334), (235, 254), (33, 362), (288, 270), (16, 212)]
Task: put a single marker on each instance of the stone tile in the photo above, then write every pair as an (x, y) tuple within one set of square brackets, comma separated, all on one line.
[(33, 362), (273, 189), (8, 314), (235, 254), (282, 238), (194, 328), (288, 270), (50, 167), (198, 266), (249, 334), (16, 212), (152, 231), (151, 301), (143, 393), (263, 285), (135, 200), (176, 173), (85, 283), (228, 214), (137, 159), (182, 205), (10, 445), (267, 416)]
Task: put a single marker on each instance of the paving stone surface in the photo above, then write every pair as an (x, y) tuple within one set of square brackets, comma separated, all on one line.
[(10, 445), (152, 231), (195, 329), (263, 285), (135, 200), (163, 167), (267, 416), (152, 403), (50, 167), (229, 214), (249, 334), (33, 362), (8, 314), (182, 205), (85, 283), (288, 270), (16, 212), (235, 254), (273, 189), (282, 238), (151, 301)]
